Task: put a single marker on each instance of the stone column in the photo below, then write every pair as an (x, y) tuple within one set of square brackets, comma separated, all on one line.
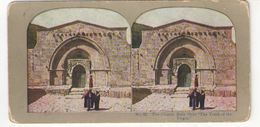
[(58, 78), (68, 80), (193, 74), (106, 78), (163, 77), (51, 77), (87, 77)]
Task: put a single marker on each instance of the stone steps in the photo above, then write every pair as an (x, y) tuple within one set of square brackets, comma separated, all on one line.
[(77, 90), (179, 95), (73, 96), (75, 93), (181, 92), (183, 88)]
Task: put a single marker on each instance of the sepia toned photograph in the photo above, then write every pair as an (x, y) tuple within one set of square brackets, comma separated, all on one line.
[(183, 59), (79, 60), (128, 61)]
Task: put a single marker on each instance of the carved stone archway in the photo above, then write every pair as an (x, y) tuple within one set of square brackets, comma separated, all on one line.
[(179, 51), (62, 62)]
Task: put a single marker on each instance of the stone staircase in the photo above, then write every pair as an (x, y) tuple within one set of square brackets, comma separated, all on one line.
[(181, 92), (75, 93)]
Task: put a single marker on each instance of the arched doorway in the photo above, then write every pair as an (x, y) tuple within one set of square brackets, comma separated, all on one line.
[(178, 51), (76, 50), (182, 56), (78, 77), (184, 76)]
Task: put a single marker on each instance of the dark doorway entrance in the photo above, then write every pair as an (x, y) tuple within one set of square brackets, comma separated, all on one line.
[(184, 76), (78, 77)]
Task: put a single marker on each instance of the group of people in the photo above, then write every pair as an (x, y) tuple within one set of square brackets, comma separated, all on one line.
[(197, 99), (91, 100)]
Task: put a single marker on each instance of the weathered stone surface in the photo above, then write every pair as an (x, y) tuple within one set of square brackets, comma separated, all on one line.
[(59, 103), (62, 90), (225, 91), (153, 67), (161, 102), (211, 47), (105, 48)]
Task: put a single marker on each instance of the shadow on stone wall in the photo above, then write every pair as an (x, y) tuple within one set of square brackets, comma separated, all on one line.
[(35, 94), (139, 94)]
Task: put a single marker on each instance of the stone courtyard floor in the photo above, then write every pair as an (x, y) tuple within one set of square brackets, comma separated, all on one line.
[(159, 102), (153, 103), (58, 103)]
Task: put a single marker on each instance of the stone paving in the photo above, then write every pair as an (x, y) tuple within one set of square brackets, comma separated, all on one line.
[(58, 103), (156, 102), (159, 102)]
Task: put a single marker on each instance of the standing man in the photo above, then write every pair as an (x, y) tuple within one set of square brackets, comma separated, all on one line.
[(85, 99), (190, 98), (194, 97), (88, 99), (97, 99), (196, 83), (202, 99), (198, 99), (90, 82)]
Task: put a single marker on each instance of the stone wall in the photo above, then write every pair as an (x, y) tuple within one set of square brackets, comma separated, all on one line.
[(108, 49), (111, 55), (215, 52)]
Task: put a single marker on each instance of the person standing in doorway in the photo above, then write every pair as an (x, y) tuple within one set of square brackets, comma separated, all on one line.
[(196, 83), (90, 82)]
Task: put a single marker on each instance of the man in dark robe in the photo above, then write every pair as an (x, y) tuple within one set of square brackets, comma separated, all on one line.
[(196, 83), (190, 98), (90, 82), (97, 99), (198, 99), (88, 99), (194, 97), (202, 99)]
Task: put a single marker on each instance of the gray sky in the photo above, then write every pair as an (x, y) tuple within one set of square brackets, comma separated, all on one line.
[(163, 16), (91, 15), (95, 16), (109, 18)]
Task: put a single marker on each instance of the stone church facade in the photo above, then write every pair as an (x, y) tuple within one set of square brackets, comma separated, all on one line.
[(171, 54), (174, 53), (68, 54)]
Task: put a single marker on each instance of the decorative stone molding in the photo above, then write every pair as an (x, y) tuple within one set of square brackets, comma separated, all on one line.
[(86, 63), (177, 62)]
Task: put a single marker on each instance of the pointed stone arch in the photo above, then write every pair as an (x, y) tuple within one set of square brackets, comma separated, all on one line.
[(91, 51), (173, 44), (178, 51), (62, 48)]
